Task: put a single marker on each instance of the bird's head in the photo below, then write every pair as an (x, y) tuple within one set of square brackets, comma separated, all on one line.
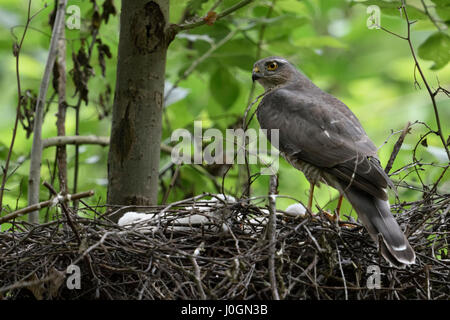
[(273, 71)]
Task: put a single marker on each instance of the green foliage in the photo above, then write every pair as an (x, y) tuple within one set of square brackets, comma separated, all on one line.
[(442, 8), (195, 5), (437, 49), (224, 87)]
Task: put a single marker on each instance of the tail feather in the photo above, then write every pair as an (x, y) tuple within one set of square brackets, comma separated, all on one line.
[(376, 216)]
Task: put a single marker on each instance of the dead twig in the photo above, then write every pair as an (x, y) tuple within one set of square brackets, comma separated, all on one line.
[(44, 204)]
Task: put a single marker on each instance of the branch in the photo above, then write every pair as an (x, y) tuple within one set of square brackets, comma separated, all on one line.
[(16, 52), (432, 19), (45, 204), (272, 227), (64, 209), (198, 278), (248, 176), (176, 28), (77, 140), (36, 149), (61, 152), (417, 66), (77, 116)]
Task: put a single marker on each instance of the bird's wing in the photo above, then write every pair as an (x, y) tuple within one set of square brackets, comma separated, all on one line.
[(322, 131)]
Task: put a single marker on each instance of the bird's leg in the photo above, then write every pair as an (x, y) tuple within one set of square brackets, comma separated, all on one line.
[(311, 194), (338, 208)]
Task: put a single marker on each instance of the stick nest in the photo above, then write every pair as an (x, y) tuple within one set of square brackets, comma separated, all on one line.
[(225, 257)]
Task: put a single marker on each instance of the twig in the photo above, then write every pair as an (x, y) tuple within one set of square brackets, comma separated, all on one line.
[(313, 239), (77, 118), (272, 227), (262, 30), (424, 219), (28, 284), (77, 140), (17, 49), (175, 28), (397, 147), (417, 66), (61, 152), (64, 209), (197, 277), (342, 271), (259, 44), (427, 12), (172, 184), (36, 149), (44, 204)]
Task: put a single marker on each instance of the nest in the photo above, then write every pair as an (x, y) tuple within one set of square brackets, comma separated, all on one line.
[(228, 255)]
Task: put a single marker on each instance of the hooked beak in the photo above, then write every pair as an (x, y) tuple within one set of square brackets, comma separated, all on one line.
[(255, 74)]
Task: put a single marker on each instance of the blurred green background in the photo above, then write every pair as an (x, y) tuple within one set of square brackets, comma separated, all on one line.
[(369, 70)]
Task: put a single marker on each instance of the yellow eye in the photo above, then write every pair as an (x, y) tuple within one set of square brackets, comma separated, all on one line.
[(272, 66)]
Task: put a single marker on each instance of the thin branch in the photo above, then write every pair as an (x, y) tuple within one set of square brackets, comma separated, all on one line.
[(197, 277), (397, 147), (77, 118), (17, 49), (175, 28), (45, 204), (342, 272), (76, 140), (432, 19), (61, 152), (64, 209), (36, 149), (172, 184), (247, 174), (418, 68), (272, 227)]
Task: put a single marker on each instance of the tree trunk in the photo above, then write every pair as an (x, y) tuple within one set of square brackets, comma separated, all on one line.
[(133, 161)]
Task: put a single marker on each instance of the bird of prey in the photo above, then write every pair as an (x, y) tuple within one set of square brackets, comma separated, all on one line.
[(320, 136)]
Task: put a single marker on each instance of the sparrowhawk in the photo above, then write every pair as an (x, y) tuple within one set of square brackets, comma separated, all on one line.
[(320, 136)]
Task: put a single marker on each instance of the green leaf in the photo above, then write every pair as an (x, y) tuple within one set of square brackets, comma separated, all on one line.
[(437, 49), (224, 87), (218, 31), (195, 5), (236, 52), (282, 26), (442, 8), (391, 8)]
